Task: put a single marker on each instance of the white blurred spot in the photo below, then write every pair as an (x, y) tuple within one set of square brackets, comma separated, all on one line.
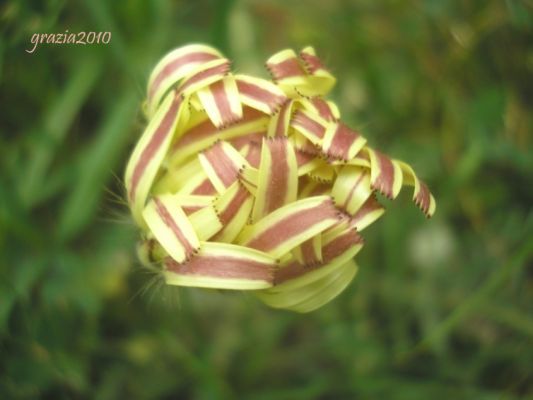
[(432, 245)]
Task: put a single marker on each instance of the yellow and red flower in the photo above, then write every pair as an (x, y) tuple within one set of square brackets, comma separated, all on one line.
[(248, 184)]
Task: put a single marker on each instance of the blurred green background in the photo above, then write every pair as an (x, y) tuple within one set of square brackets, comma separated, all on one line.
[(441, 309)]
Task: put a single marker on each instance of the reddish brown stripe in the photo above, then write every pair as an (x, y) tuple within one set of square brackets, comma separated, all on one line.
[(308, 252), (312, 62), (292, 225), (352, 191), (303, 158), (259, 94), (223, 267), (227, 214), (323, 109), (370, 205), (423, 197), (191, 58), (340, 244), (254, 155), (277, 185), (207, 73), (222, 164), (169, 221), (206, 129), (309, 148), (343, 138), (281, 123), (205, 188), (307, 123), (285, 69), (293, 270), (191, 209), (385, 179), (222, 102), (155, 142)]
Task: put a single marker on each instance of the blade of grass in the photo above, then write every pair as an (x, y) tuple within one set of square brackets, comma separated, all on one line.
[(514, 318), (57, 120), (477, 299), (104, 21), (96, 166), (219, 32)]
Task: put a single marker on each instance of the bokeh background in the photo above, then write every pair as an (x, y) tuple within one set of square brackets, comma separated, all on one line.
[(441, 309)]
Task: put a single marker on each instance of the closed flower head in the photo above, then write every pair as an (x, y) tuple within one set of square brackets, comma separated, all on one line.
[(248, 184)]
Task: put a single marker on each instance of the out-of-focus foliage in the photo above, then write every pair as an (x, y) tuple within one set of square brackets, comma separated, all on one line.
[(440, 309)]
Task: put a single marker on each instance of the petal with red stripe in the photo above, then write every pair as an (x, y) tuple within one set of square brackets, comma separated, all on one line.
[(233, 208), (303, 144), (175, 66), (341, 142), (325, 109), (252, 152), (320, 80), (338, 247), (260, 94), (171, 227), (385, 174), (307, 162), (278, 177), (351, 188), (223, 266), (279, 123), (309, 252), (149, 152), (202, 135), (367, 214), (287, 227), (310, 125), (204, 75), (285, 68), (221, 102), (222, 163), (421, 195)]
